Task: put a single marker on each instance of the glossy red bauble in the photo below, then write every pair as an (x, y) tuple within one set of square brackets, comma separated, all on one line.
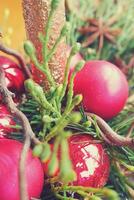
[(90, 161), (6, 121), (10, 151), (104, 88), (14, 75)]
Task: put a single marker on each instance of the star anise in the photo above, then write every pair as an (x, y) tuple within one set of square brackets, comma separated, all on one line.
[(98, 29)]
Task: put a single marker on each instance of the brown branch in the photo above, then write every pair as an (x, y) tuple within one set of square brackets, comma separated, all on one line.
[(35, 199), (102, 134), (111, 136), (19, 58), (6, 94), (29, 135), (130, 130), (22, 165)]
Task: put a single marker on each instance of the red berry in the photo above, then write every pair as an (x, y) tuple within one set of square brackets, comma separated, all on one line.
[(90, 161), (14, 75), (10, 151), (104, 88), (6, 121)]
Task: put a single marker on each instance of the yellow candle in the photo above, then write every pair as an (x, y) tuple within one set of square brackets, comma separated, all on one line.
[(12, 23)]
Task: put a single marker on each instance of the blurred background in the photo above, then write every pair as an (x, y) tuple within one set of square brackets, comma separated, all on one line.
[(11, 23)]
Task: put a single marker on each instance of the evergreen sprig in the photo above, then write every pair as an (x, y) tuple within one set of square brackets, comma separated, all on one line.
[(55, 120)]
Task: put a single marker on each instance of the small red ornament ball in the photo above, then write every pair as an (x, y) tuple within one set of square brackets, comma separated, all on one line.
[(10, 151), (89, 159), (6, 121), (14, 75), (104, 88)]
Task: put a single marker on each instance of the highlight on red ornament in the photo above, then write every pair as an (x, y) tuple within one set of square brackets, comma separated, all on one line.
[(15, 76), (6, 122)]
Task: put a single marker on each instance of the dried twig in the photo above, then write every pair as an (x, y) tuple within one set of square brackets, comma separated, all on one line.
[(13, 109), (35, 199), (109, 135), (22, 172), (15, 54), (29, 135), (130, 130)]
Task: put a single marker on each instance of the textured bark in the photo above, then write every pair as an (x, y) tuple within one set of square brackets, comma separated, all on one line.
[(35, 16)]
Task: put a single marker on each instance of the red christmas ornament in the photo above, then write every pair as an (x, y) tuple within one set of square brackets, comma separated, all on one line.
[(10, 151), (6, 121), (90, 161), (14, 75), (104, 88)]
